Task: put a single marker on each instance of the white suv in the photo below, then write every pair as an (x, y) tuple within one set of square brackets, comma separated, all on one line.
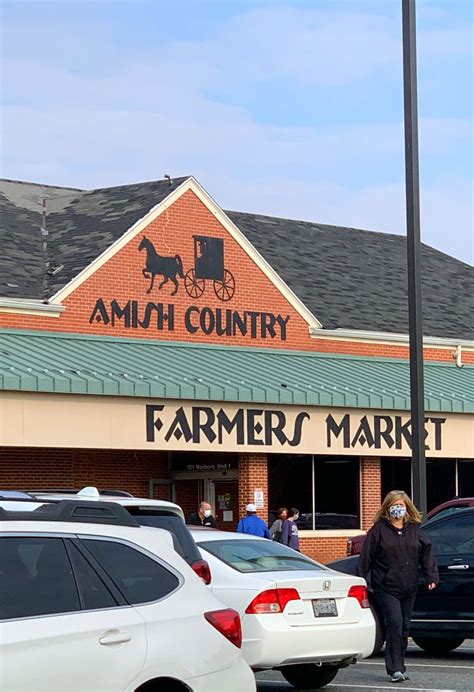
[(92, 602), (157, 513)]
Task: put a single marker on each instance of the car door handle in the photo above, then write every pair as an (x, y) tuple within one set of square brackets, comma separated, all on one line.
[(458, 566), (115, 638)]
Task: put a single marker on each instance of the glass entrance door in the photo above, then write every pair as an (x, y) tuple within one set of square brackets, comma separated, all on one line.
[(226, 503)]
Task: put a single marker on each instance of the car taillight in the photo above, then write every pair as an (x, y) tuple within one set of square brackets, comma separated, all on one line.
[(227, 622), (361, 594), (272, 601), (202, 569), (349, 547)]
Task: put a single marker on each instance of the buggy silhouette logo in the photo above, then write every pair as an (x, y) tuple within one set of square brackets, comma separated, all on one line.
[(208, 266)]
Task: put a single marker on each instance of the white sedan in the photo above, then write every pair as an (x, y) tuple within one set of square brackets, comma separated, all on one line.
[(297, 615)]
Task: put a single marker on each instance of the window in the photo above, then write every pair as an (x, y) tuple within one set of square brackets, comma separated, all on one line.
[(440, 478), (396, 475), (440, 481), (449, 510), (335, 494), (93, 592), (258, 556), (466, 477), (35, 578), (139, 578), (182, 539), (455, 536)]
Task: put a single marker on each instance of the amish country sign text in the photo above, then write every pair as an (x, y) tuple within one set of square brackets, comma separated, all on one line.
[(197, 320)]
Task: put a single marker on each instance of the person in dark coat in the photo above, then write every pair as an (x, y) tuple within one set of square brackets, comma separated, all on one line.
[(203, 517), (394, 551)]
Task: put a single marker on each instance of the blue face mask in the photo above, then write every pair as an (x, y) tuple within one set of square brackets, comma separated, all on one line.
[(397, 511)]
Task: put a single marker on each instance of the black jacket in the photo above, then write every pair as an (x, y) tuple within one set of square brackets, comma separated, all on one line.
[(391, 558), (194, 519)]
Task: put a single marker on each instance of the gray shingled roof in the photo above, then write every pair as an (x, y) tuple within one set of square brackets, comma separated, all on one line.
[(356, 279), (348, 278), (81, 224)]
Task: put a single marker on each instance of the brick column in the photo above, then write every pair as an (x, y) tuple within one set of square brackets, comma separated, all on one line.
[(253, 474), (371, 488)]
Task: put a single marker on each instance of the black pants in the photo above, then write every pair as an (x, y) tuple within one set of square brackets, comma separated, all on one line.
[(396, 613)]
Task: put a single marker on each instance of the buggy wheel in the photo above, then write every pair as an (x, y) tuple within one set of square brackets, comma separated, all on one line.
[(225, 289), (194, 286)]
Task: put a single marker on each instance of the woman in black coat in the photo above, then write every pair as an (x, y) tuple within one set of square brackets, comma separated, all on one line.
[(394, 550)]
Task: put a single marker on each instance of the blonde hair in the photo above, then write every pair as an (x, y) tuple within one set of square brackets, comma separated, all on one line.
[(412, 514)]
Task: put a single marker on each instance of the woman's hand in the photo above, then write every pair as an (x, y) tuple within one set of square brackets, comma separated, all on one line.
[(432, 586)]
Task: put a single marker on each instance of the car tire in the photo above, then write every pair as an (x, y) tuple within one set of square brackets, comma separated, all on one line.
[(379, 631), (438, 645), (309, 676)]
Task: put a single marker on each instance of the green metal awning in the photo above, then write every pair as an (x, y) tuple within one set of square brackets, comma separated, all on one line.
[(79, 364)]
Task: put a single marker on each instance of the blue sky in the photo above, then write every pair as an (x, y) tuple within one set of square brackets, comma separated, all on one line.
[(286, 108)]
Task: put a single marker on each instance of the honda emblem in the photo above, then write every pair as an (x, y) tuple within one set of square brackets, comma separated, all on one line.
[(326, 585)]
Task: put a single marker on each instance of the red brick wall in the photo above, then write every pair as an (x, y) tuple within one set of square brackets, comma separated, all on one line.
[(187, 495), (371, 488), (36, 468), (360, 348), (324, 549), (253, 474)]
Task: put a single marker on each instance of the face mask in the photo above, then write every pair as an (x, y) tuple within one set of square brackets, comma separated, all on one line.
[(397, 511), (207, 512)]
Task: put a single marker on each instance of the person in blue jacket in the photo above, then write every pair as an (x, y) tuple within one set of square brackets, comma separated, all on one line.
[(252, 523)]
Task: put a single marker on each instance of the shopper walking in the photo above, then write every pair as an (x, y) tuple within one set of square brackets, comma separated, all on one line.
[(289, 531), (276, 527), (252, 523), (394, 550)]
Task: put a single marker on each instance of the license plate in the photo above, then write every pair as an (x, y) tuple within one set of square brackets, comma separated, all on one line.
[(324, 608)]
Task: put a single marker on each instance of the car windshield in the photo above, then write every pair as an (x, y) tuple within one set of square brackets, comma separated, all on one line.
[(258, 556), (183, 541)]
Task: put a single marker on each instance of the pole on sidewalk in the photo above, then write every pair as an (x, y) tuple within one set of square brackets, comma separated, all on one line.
[(415, 317)]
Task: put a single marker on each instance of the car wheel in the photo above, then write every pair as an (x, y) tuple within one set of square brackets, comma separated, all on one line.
[(379, 632), (438, 646), (309, 676)]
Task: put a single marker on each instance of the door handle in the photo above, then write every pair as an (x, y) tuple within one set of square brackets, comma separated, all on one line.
[(458, 566), (115, 638)]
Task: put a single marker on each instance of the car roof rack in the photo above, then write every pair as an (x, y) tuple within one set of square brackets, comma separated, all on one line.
[(75, 491), (73, 511), (14, 495)]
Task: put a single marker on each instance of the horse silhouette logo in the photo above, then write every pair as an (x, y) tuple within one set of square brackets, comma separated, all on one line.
[(167, 267)]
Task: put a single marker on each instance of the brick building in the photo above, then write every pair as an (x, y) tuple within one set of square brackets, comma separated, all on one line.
[(152, 342)]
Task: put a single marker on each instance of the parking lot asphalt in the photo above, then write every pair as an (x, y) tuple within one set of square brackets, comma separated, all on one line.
[(453, 672)]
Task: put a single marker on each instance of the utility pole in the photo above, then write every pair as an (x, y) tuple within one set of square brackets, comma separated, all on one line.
[(415, 316)]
